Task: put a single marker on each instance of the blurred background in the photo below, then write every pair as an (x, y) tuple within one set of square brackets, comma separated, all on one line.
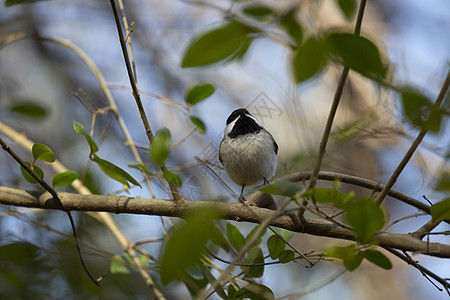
[(369, 138)]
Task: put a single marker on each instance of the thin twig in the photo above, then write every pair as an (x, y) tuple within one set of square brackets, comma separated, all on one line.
[(332, 114), (425, 272), (55, 196), (414, 145), (137, 97)]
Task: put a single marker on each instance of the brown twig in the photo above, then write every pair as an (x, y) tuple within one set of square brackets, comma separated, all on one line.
[(137, 97), (414, 145), (331, 115), (425, 272)]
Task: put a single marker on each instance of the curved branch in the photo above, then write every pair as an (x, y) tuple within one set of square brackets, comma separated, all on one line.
[(230, 211)]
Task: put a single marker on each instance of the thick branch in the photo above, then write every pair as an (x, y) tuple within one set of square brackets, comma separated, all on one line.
[(230, 211)]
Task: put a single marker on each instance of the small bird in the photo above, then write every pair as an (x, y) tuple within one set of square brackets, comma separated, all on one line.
[(248, 152)]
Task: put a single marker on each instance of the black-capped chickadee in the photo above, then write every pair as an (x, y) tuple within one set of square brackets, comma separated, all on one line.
[(248, 151)]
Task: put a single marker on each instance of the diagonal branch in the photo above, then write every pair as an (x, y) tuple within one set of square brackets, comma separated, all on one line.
[(230, 211), (137, 96), (332, 114), (414, 145)]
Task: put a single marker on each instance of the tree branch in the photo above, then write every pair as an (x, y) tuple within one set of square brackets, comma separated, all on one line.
[(230, 211), (414, 145), (332, 114)]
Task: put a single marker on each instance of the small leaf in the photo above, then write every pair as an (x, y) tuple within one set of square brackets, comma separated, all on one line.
[(28, 176), (420, 111), (275, 245), (159, 149), (290, 23), (29, 109), (443, 183), (198, 123), (43, 153), (378, 258), (79, 128), (119, 265), (309, 60), (211, 279), (254, 256), (255, 291), (441, 211), (348, 8), (114, 172), (235, 237), (327, 195), (286, 256), (18, 253), (172, 178), (258, 11), (191, 238), (366, 218), (64, 178), (199, 93), (357, 53), (252, 233), (14, 2), (215, 45), (141, 168), (351, 257), (282, 188)]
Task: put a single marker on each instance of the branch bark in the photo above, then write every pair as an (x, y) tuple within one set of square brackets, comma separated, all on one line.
[(230, 211)]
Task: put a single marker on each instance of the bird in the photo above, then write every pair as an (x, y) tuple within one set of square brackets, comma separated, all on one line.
[(248, 152)]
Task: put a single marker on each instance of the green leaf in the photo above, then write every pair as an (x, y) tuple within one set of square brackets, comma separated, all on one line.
[(114, 172), (258, 11), (64, 178), (231, 292), (443, 183), (198, 123), (29, 109), (289, 21), (239, 54), (199, 93), (191, 238), (328, 195), (27, 175), (252, 233), (254, 256), (119, 265), (172, 177), (350, 256), (195, 280), (211, 279), (286, 256), (420, 111), (141, 168), (348, 8), (255, 291), (219, 239), (235, 237), (216, 45), (159, 149), (365, 217), (43, 153), (378, 258), (282, 188), (18, 253), (357, 53), (309, 60), (275, 245), (441, 211), (79, 128)]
